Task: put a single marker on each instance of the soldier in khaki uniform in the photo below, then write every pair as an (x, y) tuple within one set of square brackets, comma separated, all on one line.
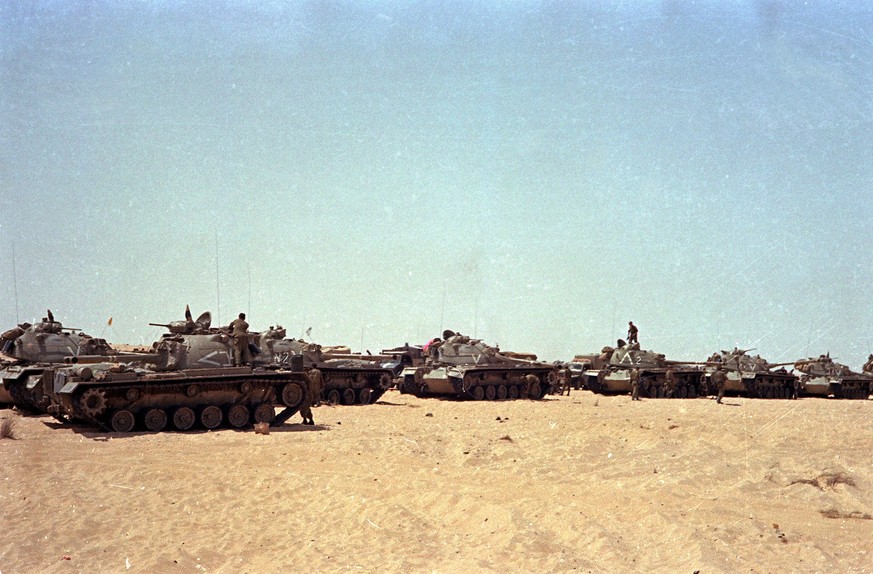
[(670, 382), (635, 384), (529, 382), (719, 380), (313, 397), (564, 375), (239, 332)]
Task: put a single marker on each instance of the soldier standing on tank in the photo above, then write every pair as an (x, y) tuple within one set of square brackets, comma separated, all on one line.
[(670, 382), (635, 384), (239, 332), (313, 396), (632, 332), (868, 366), (719, 379)]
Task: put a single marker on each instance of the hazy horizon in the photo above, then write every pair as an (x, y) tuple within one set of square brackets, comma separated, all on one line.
[(536, 174)]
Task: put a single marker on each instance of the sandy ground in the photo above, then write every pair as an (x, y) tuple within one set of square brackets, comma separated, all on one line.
[(582, 483)]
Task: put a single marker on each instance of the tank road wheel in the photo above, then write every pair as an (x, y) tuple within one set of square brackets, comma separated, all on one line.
[(292, 395), (333, 397), (349, 396), (490, 393), (211, 417), (155, 420), (184, 418), (512, 392), (501, 392), (536, 392), (92, 403), (364, 396), (265, 413), (238, 416), (477, 392), (122, 421)]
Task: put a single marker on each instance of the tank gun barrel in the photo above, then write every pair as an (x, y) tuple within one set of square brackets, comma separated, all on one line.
[(118, 358)]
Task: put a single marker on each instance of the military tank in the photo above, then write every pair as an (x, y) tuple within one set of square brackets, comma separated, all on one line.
[(26, 349), (457, 365), (613, 376), (348, 379), (823, 377), (123, 397), (752, 375)]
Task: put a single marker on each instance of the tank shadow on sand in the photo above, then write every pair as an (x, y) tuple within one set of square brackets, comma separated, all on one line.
[(91, 433)]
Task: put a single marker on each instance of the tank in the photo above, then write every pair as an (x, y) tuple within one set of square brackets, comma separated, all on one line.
[(26, 349), (613, 377), (123, 397), (348, 379), (459, 366), (752, 376), (823, 377)]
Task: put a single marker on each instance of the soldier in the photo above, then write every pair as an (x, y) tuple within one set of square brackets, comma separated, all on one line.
[(313, 397), (240, 333), (868, 366), (635, 384), (565, 381), (632, 332), (529, 382), (719, 378), (670, 382)]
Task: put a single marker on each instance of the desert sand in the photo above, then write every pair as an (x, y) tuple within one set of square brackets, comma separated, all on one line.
[(584, 483)]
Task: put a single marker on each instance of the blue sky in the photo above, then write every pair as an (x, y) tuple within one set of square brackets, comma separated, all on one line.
[(532, 173)]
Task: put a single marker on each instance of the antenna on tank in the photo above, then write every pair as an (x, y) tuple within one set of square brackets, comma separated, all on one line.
[(249, 273), (443, 310), (15, 283), (217, 284)]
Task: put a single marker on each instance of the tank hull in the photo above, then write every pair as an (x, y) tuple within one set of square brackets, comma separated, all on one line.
[(856, 387), (478, 383), (653, 383), (119, 399), (759, 385), (353, 384)]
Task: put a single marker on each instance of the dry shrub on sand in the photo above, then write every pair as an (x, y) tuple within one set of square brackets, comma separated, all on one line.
[(7, 428), (827, 480)]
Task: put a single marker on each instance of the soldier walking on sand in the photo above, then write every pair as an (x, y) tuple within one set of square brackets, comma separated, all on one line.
[(632, 332), (635, 384), (313, 397), (719, 379), (239, 332)]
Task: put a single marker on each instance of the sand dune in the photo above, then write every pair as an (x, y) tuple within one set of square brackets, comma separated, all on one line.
[(582, 483)]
